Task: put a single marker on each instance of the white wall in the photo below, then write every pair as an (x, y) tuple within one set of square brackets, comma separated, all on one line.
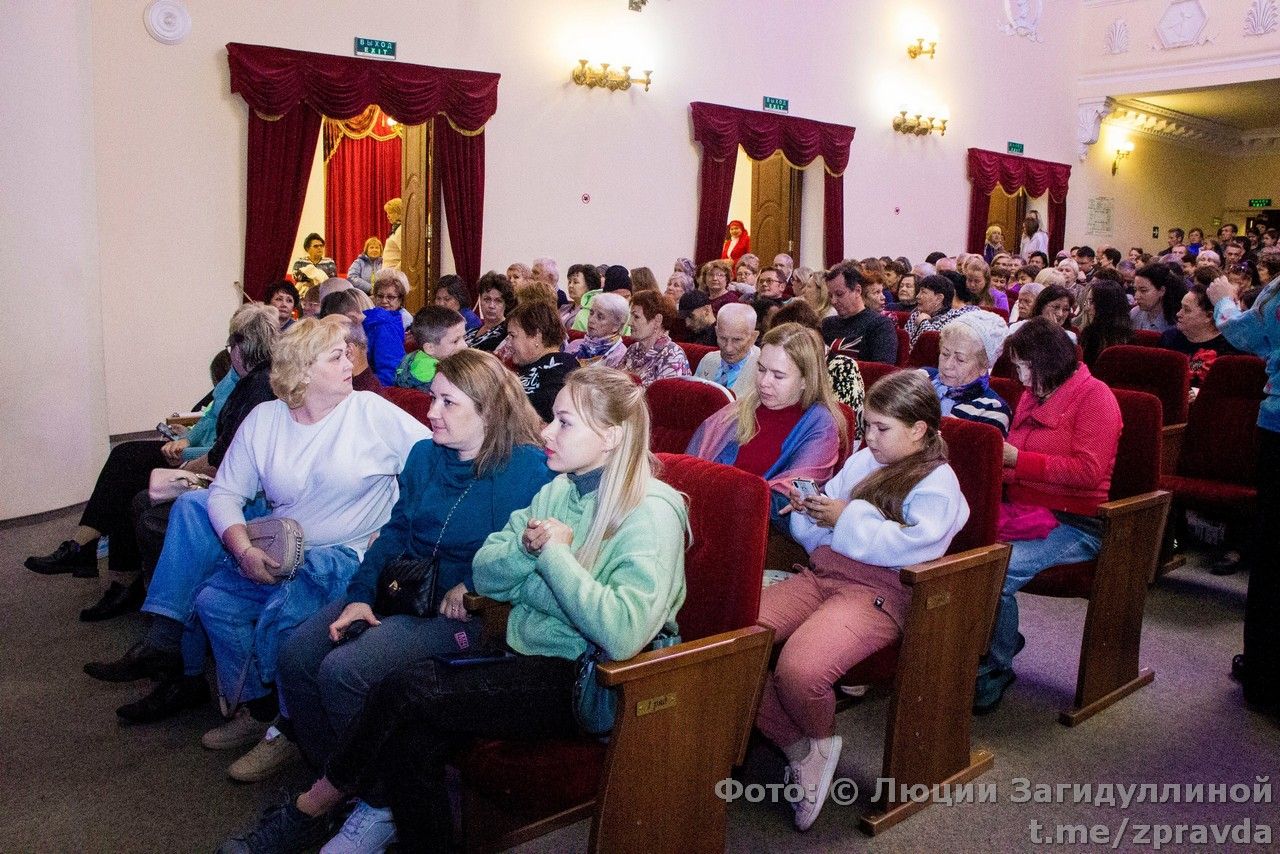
[(313, 205), (53, 424)]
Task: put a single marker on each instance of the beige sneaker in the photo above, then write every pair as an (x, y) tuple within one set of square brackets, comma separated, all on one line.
[(241, 731), (813, 774), (266, 759)]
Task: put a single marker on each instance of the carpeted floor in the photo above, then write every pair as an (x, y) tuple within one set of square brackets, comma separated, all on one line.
[(75, 780)]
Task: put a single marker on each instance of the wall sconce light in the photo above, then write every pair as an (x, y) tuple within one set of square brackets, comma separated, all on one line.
[(614, 81), (916, 50), (1123, 150), (919, 124)]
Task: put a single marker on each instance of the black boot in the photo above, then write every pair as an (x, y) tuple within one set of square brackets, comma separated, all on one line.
[(80, 561), (168, 698), (119, 599), (140, 662)]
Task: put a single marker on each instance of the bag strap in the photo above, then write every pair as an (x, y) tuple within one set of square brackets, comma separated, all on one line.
[(436, 548)]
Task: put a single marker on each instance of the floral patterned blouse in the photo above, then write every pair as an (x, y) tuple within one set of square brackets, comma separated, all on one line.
[(665, 359)]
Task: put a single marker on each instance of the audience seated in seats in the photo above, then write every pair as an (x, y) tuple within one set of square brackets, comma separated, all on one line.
[(283, 296), (857, 330), (686, 266), (654, 355), (811, 287), (968, 348), (713, 279), (483, 462), (584, 286), (905, 295), (642, 279), (127, 472), (679, 283), (392, 252), (846, 376), (451, 293), (977, 274), (745, 272), (895, 503), (935, 296), (1157, 296), (603, 341), (1256, 330), (346, 304), (733, 365), (1054, 302), (785, 424), (1024, 306), (1058, 462), (769, 284), (535, 336), (440, 332), (546, 273), (699, 319), (314, 268), (786, 268), (298, 453), (496, 300), (384, 325), (1105, 311), (873, 292), (1196, 334), (366, 266), (311, 301), (597, 559), (519, 274)]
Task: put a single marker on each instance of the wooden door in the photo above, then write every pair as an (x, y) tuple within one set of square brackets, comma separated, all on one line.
[(420, 190), (1007, 212), (775, 208)]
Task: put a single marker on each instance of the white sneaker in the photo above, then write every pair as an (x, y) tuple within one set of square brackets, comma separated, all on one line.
[(813, 774), (367, 830), (266, 759)]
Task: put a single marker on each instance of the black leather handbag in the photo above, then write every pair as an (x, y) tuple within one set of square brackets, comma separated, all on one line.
[(408, 585)]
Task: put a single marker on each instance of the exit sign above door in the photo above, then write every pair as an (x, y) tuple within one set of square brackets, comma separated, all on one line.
[(1016, 147), (777, 105), (1259, 203), (377, 48)]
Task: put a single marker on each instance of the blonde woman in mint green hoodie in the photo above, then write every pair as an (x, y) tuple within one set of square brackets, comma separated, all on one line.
[(597, 557)]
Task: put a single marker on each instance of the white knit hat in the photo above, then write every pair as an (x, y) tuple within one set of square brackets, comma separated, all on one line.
[(990, 328)]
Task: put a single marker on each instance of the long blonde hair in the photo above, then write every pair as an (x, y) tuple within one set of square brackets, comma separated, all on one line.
[(805, 348), (605, 397)]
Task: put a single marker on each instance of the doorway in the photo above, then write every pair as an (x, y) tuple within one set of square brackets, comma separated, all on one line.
[(1008, 212), (776, 197)]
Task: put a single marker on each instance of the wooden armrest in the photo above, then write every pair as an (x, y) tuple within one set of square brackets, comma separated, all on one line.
[(1134, 504), (492, 615), (475, 603), (658, 661), (187, 420), (1171, 447), (949, 565)]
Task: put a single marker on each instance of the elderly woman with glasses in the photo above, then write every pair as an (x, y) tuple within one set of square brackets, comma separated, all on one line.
[(386, 323)]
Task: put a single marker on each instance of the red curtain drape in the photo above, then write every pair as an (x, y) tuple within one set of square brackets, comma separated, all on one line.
[(280, 156), (276, 82), (1012, 172), (362, 171), (460, 159), (722, 129)]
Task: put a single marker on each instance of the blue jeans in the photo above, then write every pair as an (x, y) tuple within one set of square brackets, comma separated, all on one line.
[(191, 554), (1064, 544)]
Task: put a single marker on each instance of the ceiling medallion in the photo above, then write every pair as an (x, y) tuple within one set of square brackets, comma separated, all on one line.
[(167, 21)]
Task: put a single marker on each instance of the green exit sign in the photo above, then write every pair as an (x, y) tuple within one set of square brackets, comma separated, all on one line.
[(375, 48), (1016, 147), (777, 105), (1259, 203)]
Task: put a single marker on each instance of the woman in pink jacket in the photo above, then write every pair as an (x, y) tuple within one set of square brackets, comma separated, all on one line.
[(1058, 461)]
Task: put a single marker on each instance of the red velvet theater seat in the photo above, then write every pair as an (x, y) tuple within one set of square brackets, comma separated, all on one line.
[(925, 352), (1003, 312), (904, 348), (900, 318), (416, 403), (1116, 582), (873, 371), (1146, 338), (1009, 389), (677, 407), (695, 353), (1216, 470), (1164, 373), (516, 791)]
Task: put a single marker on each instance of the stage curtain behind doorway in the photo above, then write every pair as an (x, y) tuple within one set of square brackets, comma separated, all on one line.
[(362, 171)]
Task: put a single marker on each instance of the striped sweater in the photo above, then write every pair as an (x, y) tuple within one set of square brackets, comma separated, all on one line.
[(976, 401)]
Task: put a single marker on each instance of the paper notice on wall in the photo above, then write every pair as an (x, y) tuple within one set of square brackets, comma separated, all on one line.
[(1101, 209)]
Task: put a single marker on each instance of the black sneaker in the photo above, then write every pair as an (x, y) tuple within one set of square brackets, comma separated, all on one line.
[(117, 600), (139, 662), (167, 699), (283, 829), (80, 561)]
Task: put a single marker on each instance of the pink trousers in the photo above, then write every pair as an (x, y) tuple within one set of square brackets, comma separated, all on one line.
[(832, 616)]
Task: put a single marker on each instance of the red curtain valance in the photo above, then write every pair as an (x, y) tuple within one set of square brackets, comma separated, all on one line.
[(274, 80), (722, 129), (1014, 172)]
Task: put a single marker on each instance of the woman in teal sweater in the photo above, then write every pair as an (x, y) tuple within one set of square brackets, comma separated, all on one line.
[(597, 557)]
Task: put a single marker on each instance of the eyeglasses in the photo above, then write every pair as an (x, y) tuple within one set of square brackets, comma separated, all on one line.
[(387, 297)]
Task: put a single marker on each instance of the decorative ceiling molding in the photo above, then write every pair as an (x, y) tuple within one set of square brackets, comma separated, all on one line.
[(1160, 73), (1191, 131), (1262, 18), (1022, 18), (1089, 115), (1117, 40), (1182, 25)]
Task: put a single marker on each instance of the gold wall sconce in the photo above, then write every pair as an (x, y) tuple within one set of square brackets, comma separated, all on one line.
[(1123, 150), (915, 51), (919, 124), (614, 81)]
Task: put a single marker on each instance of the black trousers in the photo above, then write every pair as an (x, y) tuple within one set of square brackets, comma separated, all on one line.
[(1262, 604), (126, 471), (149, 524), (415, 720)]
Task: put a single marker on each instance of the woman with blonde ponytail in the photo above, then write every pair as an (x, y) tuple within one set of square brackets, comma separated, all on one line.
[(597, 558), (895, 503)]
